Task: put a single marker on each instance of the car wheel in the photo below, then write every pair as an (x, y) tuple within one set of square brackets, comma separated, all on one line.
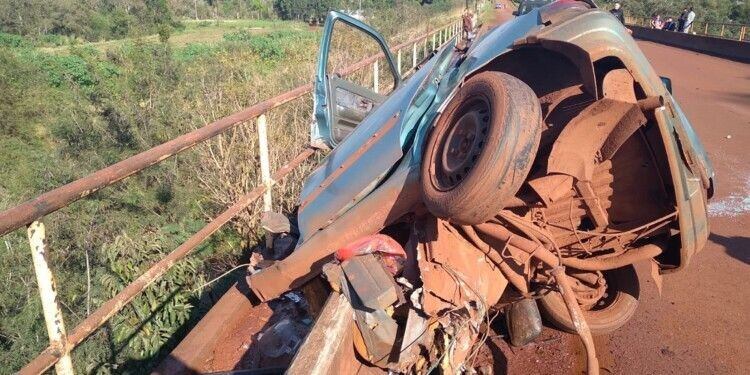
[(481, 148), (612, 311)]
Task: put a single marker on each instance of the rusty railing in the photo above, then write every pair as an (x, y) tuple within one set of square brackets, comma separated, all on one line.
[(32, 211), (734, 31)]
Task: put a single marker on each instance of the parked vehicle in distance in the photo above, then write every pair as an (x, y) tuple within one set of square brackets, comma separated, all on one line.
[(538, 164)]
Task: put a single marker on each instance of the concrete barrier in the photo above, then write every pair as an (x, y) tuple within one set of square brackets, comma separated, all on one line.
[(726, 48)]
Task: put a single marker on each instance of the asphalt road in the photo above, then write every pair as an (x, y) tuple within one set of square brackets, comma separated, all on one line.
[(699, 325)]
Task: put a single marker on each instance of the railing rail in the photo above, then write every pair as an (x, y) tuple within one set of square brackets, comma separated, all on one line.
[(725, 30), (29, 212)]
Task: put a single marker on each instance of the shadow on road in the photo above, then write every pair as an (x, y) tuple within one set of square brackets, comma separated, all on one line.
[(737, 247)]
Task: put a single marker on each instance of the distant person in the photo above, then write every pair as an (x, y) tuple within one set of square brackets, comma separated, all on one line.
[(656, 22), (669, 25), (617, 12), (468, 24), (681, 20), (689, 21)]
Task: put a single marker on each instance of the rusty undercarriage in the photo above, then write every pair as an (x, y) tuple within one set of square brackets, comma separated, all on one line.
[(568, 239)]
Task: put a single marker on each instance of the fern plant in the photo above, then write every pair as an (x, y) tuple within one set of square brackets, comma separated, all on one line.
[(152, 318)]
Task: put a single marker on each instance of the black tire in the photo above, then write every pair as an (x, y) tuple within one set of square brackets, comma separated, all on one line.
[(613, 311), (481, 149)]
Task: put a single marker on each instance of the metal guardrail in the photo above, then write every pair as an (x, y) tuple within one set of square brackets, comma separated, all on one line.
[(733, 31), (29, 212)]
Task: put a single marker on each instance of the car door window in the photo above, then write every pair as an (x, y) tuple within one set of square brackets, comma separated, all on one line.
[(359, 74)]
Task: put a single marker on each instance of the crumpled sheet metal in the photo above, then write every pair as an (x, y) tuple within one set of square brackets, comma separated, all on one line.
[(600, 129), (398, 195), (454, 273)]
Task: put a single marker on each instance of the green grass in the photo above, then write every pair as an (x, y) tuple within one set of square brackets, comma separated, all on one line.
[(193, 32), (67, 114), (70, 110)]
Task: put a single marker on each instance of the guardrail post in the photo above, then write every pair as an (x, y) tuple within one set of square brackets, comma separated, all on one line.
[(375, 83), (414, 55), (265, 171), (53, 318), (433, 41), (742, 32), (398, 62), (705, 31), (722, 30)]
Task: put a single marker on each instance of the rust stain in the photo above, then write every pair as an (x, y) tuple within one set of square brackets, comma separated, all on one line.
[(454, 271)]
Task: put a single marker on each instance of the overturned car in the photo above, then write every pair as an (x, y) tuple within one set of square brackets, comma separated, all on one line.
[(527, 170)]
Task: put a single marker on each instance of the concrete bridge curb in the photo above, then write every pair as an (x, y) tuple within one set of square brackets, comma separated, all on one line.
[(725, 48)]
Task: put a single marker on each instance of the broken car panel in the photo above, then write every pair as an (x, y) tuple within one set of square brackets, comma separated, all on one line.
[(538, 163)]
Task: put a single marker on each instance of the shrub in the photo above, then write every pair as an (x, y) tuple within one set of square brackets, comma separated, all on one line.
[(239, 36), (72, 68), (165, 31), (271, 46), (167, 302), (195, 51), (13, 41)]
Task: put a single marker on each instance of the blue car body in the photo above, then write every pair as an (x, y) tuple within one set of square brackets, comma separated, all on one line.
[(385, 150)]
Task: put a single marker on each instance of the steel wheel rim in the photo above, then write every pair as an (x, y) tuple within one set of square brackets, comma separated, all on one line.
[(458, 151)]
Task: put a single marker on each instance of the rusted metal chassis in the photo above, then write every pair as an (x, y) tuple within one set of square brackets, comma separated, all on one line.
[(540, 252), (53, 200), (50, 355), (397, 197)]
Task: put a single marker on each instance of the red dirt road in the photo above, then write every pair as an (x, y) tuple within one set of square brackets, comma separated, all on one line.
[(701, 323)]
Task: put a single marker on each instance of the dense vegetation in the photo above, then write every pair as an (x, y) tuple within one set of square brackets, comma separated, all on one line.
[(69, 108), (66, 115), (68, 21), (54, 21)]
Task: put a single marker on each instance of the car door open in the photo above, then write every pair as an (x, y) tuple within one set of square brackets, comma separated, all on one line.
[(355, 74)]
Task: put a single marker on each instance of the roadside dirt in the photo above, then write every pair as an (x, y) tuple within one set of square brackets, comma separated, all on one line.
[(700, 323)]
